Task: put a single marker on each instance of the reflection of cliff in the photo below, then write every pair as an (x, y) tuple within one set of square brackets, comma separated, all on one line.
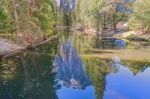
[(67, 5), (70, 67)]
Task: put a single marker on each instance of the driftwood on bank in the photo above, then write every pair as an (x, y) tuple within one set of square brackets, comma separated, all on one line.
[(43, 42), (8, 49)]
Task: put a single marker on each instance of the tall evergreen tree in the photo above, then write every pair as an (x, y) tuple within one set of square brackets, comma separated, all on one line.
[(141, 16)]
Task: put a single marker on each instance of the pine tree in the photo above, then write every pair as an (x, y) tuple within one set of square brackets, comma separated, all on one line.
[(140, 19)]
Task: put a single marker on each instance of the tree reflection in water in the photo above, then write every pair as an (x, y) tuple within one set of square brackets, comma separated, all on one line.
[(72, 72), (29, 76), (79, 72), (98, 70)]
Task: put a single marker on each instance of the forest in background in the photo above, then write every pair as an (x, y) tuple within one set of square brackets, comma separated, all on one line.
[(34, 20)]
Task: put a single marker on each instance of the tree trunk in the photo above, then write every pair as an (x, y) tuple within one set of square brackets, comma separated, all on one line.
[(115, 19), (115, 28), (114, 24), (16, 18), (104, 24)]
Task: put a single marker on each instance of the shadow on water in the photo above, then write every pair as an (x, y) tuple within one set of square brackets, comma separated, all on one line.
[(29, 76)]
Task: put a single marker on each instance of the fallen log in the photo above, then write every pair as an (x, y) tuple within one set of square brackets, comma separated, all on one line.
[(10, 53), (43, 42)]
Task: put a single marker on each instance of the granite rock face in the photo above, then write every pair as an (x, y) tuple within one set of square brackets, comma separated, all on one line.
[(66, 5)]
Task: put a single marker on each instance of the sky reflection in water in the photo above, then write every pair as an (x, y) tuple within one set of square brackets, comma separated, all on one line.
[(122, 84), (31, 75)]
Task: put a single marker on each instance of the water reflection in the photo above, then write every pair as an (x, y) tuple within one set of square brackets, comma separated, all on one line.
[(29, 76), (72, 73), (137, 67), (70, 69), (67, 69), (125, 85), (87, 77)]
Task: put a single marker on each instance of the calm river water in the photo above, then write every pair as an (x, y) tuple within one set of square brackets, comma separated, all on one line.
[(73, 67)]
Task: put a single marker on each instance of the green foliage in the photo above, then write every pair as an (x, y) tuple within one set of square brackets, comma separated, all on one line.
[(98, 70), (96, 11), (46, 16), (6, 23), (29, 75), (141, 17), (137, 67), (101, 14), (29, 17), (83, 12)]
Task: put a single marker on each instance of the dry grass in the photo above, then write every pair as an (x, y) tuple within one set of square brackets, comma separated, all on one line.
[(141, 55)]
